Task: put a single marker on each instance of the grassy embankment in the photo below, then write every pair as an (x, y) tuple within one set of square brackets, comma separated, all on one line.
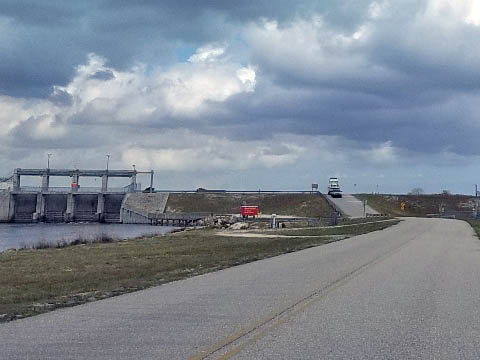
[(417, 205), (347, 230), (36, 281), (475, 224), (304, 205)]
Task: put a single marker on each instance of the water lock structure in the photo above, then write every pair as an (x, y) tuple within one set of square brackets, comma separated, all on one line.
[(66, 204)]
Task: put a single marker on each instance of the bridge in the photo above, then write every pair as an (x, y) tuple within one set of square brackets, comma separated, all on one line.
[(66, 204)]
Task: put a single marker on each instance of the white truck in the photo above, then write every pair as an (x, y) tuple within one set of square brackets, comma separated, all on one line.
[(334, 187)]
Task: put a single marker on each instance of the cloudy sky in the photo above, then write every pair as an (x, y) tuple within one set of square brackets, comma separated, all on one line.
[(251, 94)]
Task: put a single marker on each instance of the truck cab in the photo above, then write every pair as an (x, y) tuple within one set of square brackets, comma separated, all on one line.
[(334, 187)]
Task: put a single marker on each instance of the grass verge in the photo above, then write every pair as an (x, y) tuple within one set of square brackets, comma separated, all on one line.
[(350, 229), (386, 205), (36, 281), (475, 224), (419, 205)]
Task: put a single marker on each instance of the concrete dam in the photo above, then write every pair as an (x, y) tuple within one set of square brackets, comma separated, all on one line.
[(130, 205), (69, 204)]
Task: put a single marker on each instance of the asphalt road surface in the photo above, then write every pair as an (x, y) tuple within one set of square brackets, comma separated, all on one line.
[(411, 291), (351, 206)]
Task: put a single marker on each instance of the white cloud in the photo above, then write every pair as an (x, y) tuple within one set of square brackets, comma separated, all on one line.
[(207, 152), (310, 50), (473, 16), (377, 9), (381, 153), (247, 76), (39, 113), (451, 11), (208, 53), (381, 79), (46, 127), (187, 88), (101, 94)]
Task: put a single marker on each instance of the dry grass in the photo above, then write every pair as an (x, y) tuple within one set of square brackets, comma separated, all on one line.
[(308, 205), (475, 224), (35, 281), (417, 205), (351, 229)]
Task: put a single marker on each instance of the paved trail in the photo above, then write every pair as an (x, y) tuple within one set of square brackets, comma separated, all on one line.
[(409, 292), (351, 206)]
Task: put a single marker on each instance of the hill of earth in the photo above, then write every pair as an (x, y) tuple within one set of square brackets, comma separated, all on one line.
[(307, 205)]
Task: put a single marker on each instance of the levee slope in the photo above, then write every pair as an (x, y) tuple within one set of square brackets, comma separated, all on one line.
[(295, 204), (352, 207), (146, 203)]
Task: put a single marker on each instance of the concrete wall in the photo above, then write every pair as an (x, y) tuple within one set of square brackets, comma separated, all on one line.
[(131, 217), (6, 210), (146, 203), (28, 207)]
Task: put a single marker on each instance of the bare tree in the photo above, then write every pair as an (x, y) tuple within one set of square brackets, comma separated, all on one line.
[(416, 191)]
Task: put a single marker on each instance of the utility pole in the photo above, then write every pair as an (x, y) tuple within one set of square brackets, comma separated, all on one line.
[(476, 201), (151, 181), (48, 161), (108, 160)]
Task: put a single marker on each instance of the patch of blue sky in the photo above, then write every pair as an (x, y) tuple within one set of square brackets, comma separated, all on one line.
[(183, 53)]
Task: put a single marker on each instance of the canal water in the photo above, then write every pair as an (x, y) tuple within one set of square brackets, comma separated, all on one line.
[(15, 236)]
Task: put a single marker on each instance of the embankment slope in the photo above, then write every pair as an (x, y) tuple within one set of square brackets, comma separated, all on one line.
[(307, 205)]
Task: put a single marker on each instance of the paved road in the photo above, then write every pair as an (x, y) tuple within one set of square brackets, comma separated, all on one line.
[(351, 206), (409, 292)]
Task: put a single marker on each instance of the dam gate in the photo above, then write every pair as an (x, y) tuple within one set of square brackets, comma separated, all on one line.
[(67, 204)]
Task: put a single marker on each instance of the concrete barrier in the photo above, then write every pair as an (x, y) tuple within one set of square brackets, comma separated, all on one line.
[(6, 207)]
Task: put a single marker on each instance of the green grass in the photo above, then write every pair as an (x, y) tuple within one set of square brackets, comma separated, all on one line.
[(352, 229), (475, 224), (35, 281), (305, 205), (386, 205), (347, 221), (417, 205)]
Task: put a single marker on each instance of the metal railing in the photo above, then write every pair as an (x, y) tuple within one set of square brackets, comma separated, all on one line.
[(66, 189)]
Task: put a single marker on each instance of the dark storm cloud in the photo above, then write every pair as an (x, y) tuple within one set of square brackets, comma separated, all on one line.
[(409, 81), (47, 39), (50, 13), (74, 138), (419, 119), (246, 10)]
